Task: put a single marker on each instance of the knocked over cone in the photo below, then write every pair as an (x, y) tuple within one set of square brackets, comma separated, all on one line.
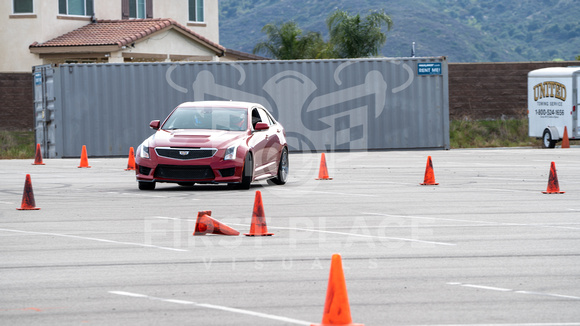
[(206, 224)]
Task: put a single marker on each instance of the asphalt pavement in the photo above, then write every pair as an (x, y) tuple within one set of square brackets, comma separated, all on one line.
[(484, 246)]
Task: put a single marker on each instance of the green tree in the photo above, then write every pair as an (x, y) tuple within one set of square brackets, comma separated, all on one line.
[(286, 42), (352, 36)]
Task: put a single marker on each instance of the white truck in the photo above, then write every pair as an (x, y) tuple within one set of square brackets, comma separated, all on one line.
[(553, 100)]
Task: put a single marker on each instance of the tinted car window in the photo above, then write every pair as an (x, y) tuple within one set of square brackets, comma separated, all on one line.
[(207, 118), (255, 117), (265, 117)]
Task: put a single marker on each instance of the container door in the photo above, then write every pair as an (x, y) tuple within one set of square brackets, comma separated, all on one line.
[(44, 115), (575, 105)]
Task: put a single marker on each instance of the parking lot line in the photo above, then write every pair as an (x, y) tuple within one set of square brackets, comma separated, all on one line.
[(92, 239), (485, 223), (361, 235), (333, 232), (484, 287), (212, 306), (512, 324)]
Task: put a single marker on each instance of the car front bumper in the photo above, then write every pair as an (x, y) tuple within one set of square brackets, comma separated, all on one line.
[(207, 170)]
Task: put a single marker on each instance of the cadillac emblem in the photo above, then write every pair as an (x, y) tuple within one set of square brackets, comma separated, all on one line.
[(183, 153)]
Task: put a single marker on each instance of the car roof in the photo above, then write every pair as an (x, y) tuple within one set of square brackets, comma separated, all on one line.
[(221, 104)]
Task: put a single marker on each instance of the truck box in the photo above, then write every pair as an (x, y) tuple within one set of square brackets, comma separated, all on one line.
[(553, 99)]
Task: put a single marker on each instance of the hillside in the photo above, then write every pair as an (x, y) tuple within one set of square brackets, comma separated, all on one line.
[(462, 30)]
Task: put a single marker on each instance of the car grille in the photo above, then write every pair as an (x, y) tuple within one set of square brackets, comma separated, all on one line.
[(184, 172), (185, 153)]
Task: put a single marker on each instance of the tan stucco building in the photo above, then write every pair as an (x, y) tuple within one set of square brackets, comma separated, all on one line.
[(35, 32)]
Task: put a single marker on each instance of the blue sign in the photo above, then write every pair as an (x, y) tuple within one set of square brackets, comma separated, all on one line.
[(37, 79), (429, 68)]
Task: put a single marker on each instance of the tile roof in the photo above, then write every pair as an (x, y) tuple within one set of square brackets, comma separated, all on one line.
[(239, 55), (120, 33)]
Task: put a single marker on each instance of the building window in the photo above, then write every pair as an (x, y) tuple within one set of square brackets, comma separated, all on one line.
[(137, 9), (76, 7), (23, 6), (196, 11)]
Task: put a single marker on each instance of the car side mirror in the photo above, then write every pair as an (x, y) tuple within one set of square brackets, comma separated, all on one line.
[(154, 124), (261, 126)]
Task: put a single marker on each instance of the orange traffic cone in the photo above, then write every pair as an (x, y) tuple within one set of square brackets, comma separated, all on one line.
[(565, 140), (429, 175), (323, 171), (206, 224), (84, 158), (38, 156), (553, 186), (336, 307), (28, 196), (258, 227), (131, 162)]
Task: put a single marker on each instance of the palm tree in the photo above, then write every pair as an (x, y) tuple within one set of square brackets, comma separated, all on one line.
[(354, 37), (286, 42)]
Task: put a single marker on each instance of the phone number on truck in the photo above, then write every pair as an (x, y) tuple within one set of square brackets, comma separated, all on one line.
[(549, 112)]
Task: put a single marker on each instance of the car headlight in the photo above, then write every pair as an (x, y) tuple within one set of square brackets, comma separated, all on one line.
[(231, 153), (144, 150)]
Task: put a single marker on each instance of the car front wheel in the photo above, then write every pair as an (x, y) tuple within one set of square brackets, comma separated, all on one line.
[(248, 172), (146, 185), (283, 168)]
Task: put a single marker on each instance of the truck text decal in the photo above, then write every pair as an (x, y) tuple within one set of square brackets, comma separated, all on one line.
[(550, 89)]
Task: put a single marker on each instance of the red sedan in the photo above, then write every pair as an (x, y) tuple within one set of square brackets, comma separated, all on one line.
[(214, 142)]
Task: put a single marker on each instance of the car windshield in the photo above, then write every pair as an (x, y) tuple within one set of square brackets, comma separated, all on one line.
[(215, 118)]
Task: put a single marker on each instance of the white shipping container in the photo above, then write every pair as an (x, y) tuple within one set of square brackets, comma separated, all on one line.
[(553, 100)]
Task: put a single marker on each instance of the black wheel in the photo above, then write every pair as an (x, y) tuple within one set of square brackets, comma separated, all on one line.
[(248, 172), (283, 169), (547, 141), (146, 185)]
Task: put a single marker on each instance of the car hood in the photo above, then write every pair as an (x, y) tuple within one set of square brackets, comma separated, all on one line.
[(197, 138)]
